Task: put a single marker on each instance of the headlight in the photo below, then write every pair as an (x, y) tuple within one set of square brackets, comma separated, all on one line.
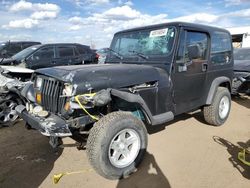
[(68, 90), (38, 83)]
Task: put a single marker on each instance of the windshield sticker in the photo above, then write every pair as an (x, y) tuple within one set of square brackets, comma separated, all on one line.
[(159, 33)]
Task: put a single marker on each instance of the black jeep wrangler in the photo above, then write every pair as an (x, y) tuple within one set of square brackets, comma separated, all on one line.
[(152, 74)]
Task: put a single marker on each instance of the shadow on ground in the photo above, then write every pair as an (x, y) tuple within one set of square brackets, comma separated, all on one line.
[(26, 157), (149, 175), (242, 100), (233, 150)]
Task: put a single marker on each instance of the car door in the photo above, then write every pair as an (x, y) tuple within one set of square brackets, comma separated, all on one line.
[(42, 58), (65, 56), (190, 69)]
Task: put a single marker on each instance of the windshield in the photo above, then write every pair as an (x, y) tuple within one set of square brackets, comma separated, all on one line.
[(242, 54), (150, 42), (24, 53)]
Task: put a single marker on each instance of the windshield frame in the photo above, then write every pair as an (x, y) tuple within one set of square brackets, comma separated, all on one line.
[(151, 57)]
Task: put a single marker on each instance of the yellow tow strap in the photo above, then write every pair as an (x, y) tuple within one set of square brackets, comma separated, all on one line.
[(84, 109), (57, 177), (242, 156)]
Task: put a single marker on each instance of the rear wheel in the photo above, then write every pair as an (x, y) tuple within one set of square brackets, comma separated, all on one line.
[(116, 145), (217, 113)]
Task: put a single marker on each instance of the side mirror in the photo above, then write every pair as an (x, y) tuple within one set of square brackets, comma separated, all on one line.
[(194, 51), (4, 53)]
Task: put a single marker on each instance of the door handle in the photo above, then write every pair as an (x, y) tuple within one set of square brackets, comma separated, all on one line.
[(204, 67)]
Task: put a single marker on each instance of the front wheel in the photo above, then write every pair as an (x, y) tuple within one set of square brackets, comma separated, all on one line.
[(217, 113), (116, 145)]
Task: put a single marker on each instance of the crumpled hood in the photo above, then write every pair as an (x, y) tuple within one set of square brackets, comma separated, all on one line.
[(242, 65), (86, 77), (16, 69)]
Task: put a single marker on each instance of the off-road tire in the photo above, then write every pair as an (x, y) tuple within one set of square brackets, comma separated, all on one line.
[(101, 136), (211, 112)]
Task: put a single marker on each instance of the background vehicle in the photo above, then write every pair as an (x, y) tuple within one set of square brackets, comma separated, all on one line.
[(49, 55), (241, 81), (29, 59), (10, 48), (102, 53), (152, 74)]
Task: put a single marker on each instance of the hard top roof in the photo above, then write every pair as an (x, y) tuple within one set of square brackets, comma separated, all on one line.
[(179, 24), (63, 44)]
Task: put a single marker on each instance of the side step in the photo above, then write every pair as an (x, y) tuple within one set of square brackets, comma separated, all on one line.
[(162, 118)]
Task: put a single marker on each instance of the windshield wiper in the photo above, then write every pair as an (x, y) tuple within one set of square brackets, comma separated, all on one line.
[(139, 54), (116, 53)]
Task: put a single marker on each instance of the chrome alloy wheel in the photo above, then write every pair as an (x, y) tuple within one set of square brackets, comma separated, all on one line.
[(124, 148), (224, 107), (7, 111)]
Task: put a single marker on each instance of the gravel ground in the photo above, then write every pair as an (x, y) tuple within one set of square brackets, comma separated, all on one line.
[(183, 153)]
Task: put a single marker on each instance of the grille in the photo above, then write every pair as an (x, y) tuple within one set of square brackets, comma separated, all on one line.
[(51, 91)]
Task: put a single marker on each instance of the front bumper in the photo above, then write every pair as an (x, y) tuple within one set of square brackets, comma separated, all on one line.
[(49, 126)]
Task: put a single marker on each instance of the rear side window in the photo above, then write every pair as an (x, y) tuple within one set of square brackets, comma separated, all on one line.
[(221, 47), (65, 51), (81, 50)]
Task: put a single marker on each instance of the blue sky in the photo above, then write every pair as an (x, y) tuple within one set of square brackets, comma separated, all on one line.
[(93, 22)]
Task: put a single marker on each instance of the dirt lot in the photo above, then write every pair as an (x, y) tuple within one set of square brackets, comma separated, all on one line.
[(186, 153)]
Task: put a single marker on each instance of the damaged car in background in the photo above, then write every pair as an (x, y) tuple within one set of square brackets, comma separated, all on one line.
[(20, 67), (241, 81), (10, 48), (152, 74), (12, 80)]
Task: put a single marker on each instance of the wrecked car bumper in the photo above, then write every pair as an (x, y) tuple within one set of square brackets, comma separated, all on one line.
[(241, 83), (49, 126)]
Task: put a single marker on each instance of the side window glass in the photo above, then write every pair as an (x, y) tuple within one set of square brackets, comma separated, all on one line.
[(65, 51), (44, 53), (192, 47), (76, 52), (221, 48), (196, 46), (81, 50)]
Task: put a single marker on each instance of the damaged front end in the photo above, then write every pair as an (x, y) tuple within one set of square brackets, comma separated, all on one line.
[(53, 108), (64, 102), (59, 112)]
